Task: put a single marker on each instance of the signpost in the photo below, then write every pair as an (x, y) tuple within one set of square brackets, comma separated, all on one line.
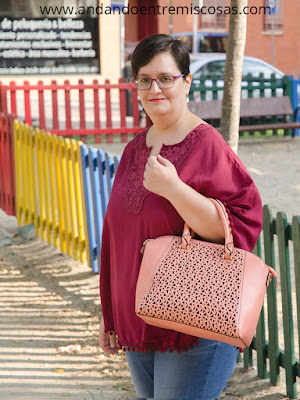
[(195, 26), (273, 4), (121, 4)]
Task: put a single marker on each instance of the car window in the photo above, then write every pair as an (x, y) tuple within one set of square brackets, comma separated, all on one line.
[(214, 68), (255, 68)]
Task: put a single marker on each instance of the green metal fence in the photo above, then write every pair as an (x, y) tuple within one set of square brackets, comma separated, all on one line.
[(211, 88), (279, 323)]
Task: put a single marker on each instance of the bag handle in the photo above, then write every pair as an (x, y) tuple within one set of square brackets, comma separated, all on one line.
[(228, 246)]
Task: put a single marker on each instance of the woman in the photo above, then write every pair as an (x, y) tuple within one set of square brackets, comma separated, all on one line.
[(164, 178)]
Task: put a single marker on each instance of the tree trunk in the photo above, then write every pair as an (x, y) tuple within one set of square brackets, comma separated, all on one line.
[(233, 75)]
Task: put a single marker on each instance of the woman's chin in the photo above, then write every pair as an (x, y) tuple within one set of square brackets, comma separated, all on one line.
[(157, 111)]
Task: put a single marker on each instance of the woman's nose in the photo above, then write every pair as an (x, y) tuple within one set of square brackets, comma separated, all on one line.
[(155, 88)]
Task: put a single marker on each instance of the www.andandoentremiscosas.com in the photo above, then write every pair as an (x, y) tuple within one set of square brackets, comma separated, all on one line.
[(152, 10)]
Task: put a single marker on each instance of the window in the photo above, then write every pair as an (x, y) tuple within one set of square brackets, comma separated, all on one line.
[(255, 68), (212, 20), (214, 69), (276, 20)]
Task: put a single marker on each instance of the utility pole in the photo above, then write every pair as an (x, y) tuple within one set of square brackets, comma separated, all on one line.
[(195, 25)]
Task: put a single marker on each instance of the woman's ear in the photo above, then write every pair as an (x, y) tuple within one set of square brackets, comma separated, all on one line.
[(188, 81)]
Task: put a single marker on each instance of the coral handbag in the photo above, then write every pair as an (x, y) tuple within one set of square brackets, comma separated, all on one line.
[(200, 288)]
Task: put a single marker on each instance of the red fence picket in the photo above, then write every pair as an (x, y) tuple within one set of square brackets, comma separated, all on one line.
[(113, 107), (7, 174)]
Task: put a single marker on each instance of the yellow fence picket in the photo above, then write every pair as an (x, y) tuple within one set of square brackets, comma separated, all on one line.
[(53, 226), (49, 189), (75, 171), (31, 180), (18, 164), (84, 230)]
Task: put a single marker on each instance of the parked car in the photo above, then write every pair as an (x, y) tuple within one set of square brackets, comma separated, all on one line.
[(205, 67)]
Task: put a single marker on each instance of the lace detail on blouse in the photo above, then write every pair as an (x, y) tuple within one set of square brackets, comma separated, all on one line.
[(135, 193)]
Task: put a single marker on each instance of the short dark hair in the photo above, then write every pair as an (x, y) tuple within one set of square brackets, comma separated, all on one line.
[(159, 43)]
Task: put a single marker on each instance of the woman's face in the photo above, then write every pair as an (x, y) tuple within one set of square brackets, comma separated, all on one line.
[(164, 102)]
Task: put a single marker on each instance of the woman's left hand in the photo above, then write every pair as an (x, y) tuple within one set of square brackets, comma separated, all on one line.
[(160, 176)]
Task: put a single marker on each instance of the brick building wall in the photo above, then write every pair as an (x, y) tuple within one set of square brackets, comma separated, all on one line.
[(287, 44), (258, 42)]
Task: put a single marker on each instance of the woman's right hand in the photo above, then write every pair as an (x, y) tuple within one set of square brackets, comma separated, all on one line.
[(107, 342)]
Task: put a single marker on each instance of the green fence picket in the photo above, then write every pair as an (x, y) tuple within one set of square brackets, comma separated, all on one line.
[(287, 309), (248, 357), (260, 344), (273, 348), (296, 247), (261, 347)]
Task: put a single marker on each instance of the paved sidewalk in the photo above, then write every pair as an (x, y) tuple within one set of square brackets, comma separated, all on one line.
[(49, 317)]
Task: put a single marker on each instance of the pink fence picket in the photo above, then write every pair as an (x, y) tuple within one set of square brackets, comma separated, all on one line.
[(7, 174)]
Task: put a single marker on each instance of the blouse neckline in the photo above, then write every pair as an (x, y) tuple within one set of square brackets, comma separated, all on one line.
[(175, 144)]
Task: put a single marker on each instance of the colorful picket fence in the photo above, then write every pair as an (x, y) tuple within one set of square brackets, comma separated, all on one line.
[(63, 187), (99, 112), (49, 188), (102, 108)]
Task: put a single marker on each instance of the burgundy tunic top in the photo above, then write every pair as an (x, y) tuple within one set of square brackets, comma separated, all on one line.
[(205, 162)]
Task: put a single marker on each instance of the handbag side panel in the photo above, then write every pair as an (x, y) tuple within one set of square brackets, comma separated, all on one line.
[(154, 251), (253, 292)]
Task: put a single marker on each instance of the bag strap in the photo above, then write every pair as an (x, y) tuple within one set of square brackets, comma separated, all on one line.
[(229, 245)]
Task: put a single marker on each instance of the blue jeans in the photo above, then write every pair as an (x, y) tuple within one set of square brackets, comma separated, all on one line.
[(200, 373)]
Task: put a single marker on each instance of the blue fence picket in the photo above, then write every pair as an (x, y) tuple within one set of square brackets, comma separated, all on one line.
[(109, 168), (97, 207), (116, 163), (102, 179), (296, 99), (84, 153)]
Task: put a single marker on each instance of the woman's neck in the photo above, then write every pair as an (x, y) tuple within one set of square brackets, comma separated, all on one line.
[(171, 131)]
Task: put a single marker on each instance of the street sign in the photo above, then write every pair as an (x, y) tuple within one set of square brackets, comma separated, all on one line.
[(117, 3), (273, 4)]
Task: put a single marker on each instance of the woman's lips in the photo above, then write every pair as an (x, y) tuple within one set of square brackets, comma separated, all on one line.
[(156, 99)]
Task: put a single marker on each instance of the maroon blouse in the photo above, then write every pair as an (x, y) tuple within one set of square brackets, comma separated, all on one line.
[(205, 162)]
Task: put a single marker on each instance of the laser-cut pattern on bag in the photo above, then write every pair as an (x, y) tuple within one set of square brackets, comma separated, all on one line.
[(207, 306)]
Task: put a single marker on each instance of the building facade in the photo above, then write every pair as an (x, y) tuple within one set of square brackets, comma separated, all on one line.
[(82, 38), (261, 26)]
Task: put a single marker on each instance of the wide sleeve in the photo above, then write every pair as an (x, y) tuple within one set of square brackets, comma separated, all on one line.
[(223, 176), (109, 231), (105, 280)]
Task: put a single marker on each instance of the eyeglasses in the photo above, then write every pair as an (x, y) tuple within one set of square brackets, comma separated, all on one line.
[(163, 82)]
